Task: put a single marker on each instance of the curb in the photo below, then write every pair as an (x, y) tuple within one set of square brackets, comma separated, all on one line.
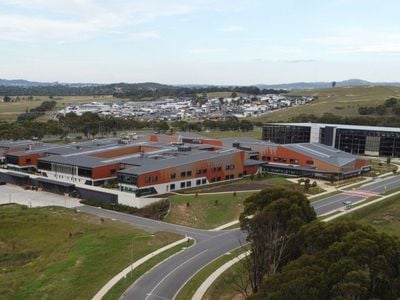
[(200, 292), (100, 294)]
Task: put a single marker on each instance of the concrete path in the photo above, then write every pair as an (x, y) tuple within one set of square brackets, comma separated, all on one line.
[(201, 291), (225, 225)]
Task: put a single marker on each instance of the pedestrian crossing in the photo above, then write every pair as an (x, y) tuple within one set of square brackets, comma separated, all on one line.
[(360, 193)]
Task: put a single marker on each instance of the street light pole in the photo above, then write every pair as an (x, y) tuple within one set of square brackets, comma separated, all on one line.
[(136, 237)]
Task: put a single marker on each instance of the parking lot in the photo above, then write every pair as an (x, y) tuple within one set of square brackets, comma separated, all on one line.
[(15, 194)]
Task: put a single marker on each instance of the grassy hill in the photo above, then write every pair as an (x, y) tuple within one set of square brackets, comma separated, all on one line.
[(10, 111), (343, 101), (57, 253)]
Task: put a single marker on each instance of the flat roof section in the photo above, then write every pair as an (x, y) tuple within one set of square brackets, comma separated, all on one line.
[(151, 164), (322, 152), (342, 126)]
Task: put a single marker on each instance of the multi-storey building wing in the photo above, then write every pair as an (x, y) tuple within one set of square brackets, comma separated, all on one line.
[(364, 140), (159, 163)]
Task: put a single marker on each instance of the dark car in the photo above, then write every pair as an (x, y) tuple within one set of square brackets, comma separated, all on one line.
[(2, 182)]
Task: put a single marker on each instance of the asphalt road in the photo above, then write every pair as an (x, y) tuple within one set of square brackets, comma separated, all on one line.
[(165, 280), (334, 202)]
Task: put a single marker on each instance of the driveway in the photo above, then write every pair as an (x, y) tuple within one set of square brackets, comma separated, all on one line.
[(15, 194)]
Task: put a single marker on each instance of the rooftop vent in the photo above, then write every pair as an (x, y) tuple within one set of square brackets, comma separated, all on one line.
[(184, 148)]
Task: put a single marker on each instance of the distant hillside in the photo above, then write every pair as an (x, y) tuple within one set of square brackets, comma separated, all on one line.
[(322, 85), (343, 101), (25, 83)]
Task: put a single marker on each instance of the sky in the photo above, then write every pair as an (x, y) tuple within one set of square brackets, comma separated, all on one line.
[(236, 42)]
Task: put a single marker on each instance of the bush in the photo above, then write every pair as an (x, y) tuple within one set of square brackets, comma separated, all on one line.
[(155, 211)]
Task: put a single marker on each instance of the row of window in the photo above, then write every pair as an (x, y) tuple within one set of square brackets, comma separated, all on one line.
[(187, 184), (149, 179), (202, 171), (285, 160)]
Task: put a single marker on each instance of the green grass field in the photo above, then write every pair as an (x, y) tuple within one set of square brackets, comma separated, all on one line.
[(55, 253), (343, 101), (206, 211), (380, 167), (384, 216), (228, 285), (256, 133), (117, 290), (244, 184), (10, 111)]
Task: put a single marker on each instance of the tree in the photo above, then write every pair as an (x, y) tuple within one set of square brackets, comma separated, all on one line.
[(7, 99), (341, 260), (391, 102), (380, 110), (388, 160), (333, 84), (162, 126), (277, 216)]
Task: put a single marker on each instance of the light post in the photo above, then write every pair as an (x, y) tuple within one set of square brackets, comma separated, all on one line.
[(133, 238)]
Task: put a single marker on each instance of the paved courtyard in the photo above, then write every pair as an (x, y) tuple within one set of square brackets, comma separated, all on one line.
[(15, 194)]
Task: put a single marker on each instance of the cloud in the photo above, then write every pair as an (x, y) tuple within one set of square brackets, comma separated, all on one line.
[(65, 20), (359, 41), (299, 61), (231, 28), (200, 51), (146, 35)]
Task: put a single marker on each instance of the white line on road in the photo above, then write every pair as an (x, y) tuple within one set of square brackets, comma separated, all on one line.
[(158, 284)]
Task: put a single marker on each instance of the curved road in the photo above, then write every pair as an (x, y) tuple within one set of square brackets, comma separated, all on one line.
[(165, 280)]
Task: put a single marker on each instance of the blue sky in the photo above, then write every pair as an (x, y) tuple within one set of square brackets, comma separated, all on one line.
[(199, 41)]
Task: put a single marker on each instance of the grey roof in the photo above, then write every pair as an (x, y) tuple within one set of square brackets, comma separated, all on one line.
[(10, 144), (191, 134), (75, 148), (241, 139), (253, 162), (40, 148), (324, 153), (146, 165), (343, 126), (81, 161)]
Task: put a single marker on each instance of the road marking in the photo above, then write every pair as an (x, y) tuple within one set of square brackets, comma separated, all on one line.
[(389, 183), (159, 297), (333, 202), (361, 193), (158, 284)]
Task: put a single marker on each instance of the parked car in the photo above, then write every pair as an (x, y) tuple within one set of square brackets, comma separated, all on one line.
[(2, 183)]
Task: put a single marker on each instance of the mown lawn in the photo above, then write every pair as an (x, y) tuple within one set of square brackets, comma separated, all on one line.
[(206, 211), (244, 184), (55, 253), (380, 167), (229, 285)]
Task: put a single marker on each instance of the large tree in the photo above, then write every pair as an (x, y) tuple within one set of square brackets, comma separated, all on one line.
[(272, 218), (338, 261)]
